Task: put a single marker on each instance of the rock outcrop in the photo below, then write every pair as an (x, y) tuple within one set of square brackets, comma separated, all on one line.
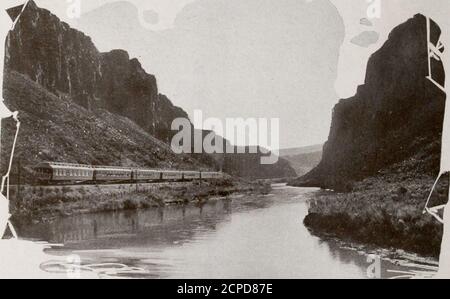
[(395, 116), (115, 113), (66, 62)]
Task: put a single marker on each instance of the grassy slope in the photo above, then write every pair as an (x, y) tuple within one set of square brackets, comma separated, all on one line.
[(56, 129)]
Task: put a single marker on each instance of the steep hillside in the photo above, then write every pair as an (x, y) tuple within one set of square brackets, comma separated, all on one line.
[(66, 63), (56, 129), (80, 105), (396, 115), (304, 163)]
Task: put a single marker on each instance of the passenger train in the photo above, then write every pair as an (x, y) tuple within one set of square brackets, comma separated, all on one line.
[(60, 173)]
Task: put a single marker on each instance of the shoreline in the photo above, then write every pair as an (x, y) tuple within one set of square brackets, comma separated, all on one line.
[(383, 211), (41, 204)]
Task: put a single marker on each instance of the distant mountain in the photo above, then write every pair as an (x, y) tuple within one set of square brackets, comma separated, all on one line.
[(301, 150), (303, 159), (394, 122), (304, 163), (249, 166)]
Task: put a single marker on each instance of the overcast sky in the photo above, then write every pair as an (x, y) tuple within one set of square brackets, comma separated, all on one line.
[(291, 59)]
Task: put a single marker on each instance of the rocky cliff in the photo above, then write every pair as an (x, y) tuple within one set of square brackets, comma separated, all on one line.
[(80, 105), (66, 62), (395, 116)]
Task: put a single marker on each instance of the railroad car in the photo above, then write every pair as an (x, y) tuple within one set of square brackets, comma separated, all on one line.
[(105, 173), (191, 175), (171, 175), (63, 172), (148, 175), (54, 172), (211, 175)]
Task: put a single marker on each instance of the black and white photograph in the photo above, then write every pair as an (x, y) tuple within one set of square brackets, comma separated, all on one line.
[(243, 140)]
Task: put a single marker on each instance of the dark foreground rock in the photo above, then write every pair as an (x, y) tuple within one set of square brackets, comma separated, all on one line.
[(381, 212), (383, 152), (395, 115)]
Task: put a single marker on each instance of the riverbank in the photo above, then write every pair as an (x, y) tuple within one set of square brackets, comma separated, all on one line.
[(250, 236), (44, 204), (385, 211)]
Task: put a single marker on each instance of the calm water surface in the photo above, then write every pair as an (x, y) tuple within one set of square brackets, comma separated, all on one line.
[(247, 237)]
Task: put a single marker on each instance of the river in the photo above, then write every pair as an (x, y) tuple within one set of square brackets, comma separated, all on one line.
[(243, 237)]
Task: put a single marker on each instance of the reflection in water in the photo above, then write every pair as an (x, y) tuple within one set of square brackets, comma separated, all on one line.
[(249, 237), (170, 225)]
